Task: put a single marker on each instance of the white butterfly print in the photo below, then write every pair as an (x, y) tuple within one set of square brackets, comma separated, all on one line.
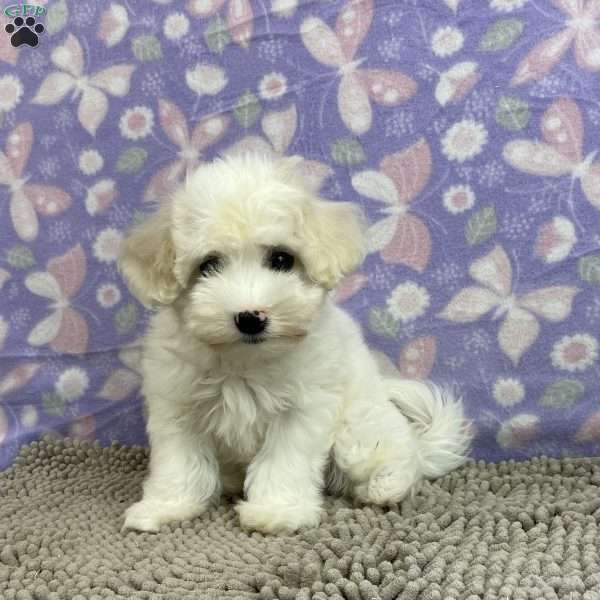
[(561, 151), (64, 329), (284, 8), (581, 30), (415, 361), (520, 327), (401, 237), (100, 196), (191, 147), (240, 16), (3, 322), (452, 4), (358, 86), (114, 23), (10, 382), (17, 377), (279, 127), (91, 89), (27, 199), (122, 382)]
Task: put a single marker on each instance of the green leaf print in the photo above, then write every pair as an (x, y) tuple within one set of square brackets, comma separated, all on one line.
[(512, 113), (126, 319), (481, 226), (562, 394), (589, 268), (216, 36), (347, 152), (20, 257), (146, 48), (501, 35), (132, 159), (383, 323), (247, 109), (53, 403)]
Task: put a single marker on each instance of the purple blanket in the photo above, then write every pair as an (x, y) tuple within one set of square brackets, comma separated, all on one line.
[(466, 129)]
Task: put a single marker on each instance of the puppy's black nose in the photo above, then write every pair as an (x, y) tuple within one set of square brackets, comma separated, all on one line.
[(251, 323)]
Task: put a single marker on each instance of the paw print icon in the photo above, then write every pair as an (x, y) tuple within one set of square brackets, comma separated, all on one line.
[(24, 31)]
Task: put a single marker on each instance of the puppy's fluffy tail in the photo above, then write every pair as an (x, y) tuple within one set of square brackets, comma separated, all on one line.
[(438, 418)]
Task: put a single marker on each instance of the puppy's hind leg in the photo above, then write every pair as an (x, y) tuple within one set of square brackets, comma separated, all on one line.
[(376, 448)]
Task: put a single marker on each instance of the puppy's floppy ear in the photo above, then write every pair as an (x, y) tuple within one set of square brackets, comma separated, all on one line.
[(333, 237), (147, 258)]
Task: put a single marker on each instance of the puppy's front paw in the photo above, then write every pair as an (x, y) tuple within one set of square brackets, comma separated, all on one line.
[(141, 517), (272, 517), (149, 515)]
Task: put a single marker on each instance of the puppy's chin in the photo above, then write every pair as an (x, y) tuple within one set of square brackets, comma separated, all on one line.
[(267, 343)]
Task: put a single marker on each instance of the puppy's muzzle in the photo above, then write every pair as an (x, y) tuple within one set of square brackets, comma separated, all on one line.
[(251, 323)]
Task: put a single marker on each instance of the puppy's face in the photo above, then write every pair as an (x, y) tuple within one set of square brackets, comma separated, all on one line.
[(246, 282), (244, 253)]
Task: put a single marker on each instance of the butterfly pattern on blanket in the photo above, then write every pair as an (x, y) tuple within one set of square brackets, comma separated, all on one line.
[(467, 131)]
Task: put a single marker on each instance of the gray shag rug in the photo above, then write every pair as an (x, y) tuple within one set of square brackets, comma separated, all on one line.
[(510, 531)]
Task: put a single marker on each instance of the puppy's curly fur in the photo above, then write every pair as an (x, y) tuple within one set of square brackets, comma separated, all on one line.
[(269, 406)]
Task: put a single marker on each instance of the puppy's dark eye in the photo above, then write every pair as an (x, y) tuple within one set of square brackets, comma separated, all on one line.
[(279, 260), (210, 266)]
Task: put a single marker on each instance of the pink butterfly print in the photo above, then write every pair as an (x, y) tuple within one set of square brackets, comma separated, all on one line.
[(83, 428), (114, 23), (65, 330), (555, 240), (4, 426), (4, 277), (401, 237), (207, 132), (581, 30), (27, 199), (520, 327), (3, 331), (456, 82), (91, 89), (8, 53), (337, 48), (14, 380), (417, 358), (590, 430), (279, 128), (561, 151), (349, 287), (18, 377), (100, 196), (122, 382), (119, 385), (519, 432), (240, 16), (386, 366)]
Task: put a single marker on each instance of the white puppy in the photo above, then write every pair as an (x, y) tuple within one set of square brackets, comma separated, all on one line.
[(255, 382)]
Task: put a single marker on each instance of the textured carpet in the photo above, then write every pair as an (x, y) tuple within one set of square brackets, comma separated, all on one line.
[(506, 531)]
